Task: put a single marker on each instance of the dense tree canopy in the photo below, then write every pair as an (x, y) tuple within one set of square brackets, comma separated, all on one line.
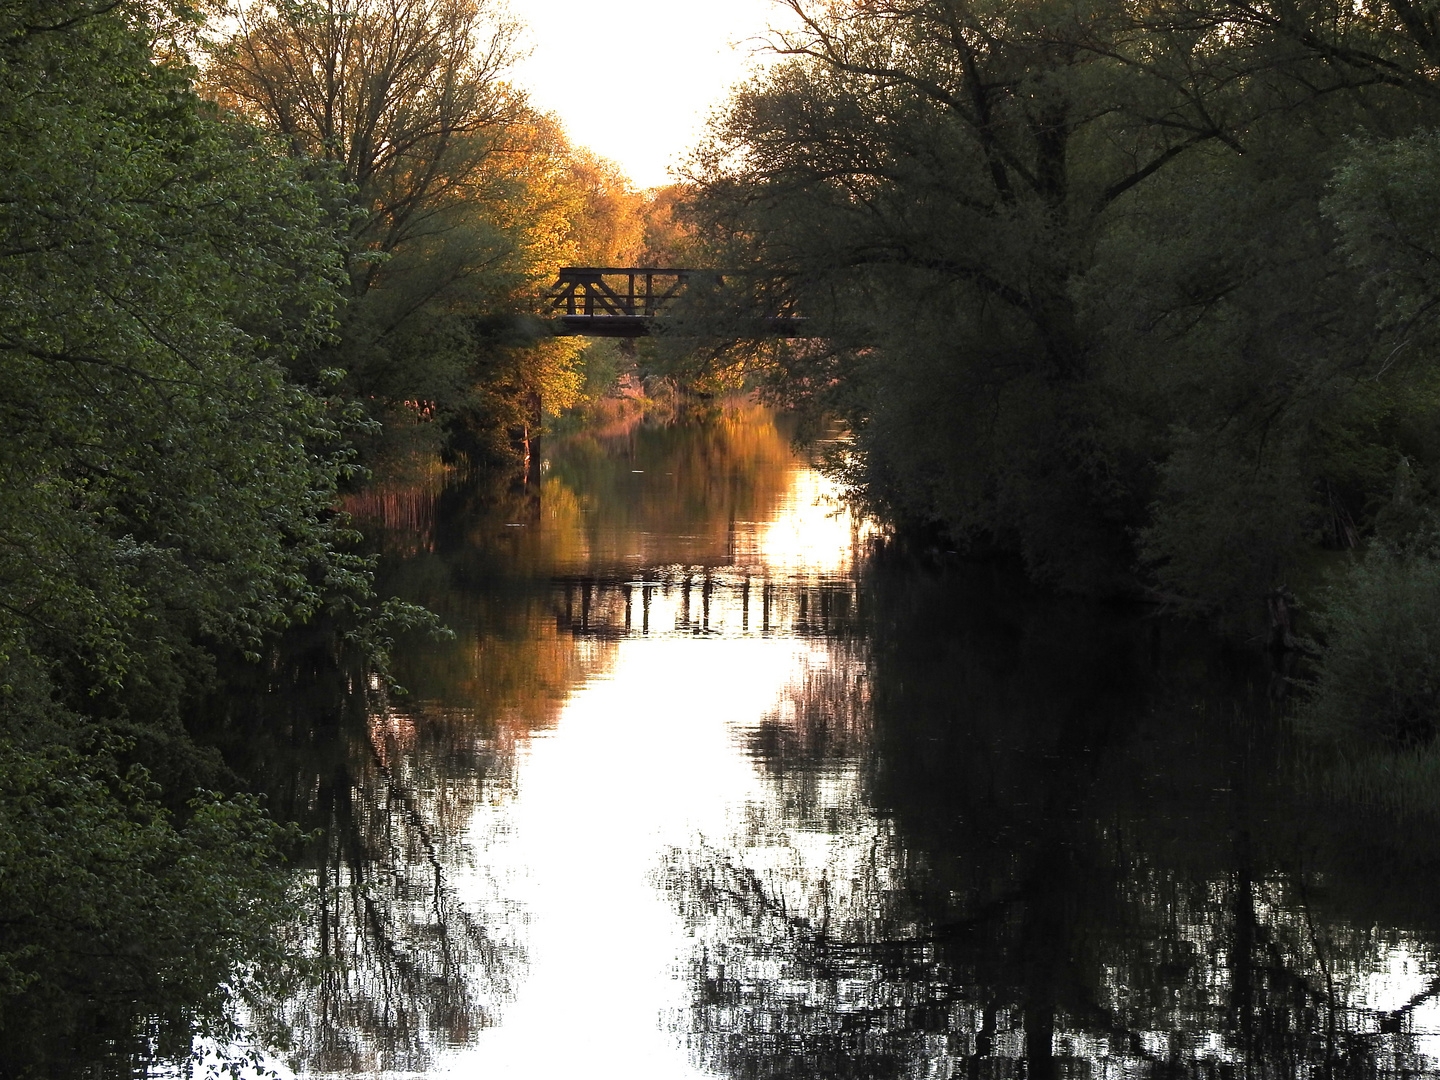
[(1092, 285), (163, 484)]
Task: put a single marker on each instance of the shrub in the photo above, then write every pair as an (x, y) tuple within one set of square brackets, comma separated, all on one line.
[(1378, 682)]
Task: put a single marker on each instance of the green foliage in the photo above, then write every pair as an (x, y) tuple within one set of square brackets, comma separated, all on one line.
[(1370, 712), (1378, 681), (1402, 783), (1383, 200), (932, 188), (378, 629), (113, 910), (165, 491), (158, 471), (1230, 525), (1143, 296)]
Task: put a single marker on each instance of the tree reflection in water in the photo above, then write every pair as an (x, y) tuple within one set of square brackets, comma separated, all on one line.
[(980, 834), (403, 968), (419, 947), (1091, 867)]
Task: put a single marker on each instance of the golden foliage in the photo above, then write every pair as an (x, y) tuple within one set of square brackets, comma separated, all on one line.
[(467, 201)]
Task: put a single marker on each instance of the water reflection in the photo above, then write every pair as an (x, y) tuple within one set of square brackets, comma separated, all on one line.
[(406, 963), (1087, 867), (688, 601), (702, 788)]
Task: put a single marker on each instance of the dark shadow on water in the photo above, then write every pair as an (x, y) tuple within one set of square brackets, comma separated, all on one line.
[(1087, 860)]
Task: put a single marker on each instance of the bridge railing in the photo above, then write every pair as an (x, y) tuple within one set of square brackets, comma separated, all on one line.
[(626, 291)]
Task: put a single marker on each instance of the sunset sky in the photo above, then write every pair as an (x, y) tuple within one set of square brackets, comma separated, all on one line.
[(633, 80)]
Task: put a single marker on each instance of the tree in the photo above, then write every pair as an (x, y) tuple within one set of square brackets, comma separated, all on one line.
[(165, 493), (608, 227), (465, 201), (931, 180), (668, 239), (1074, 275), (404, 99), (404, 95)]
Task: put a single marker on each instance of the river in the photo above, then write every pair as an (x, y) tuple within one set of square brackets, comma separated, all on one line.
[(714, 781)]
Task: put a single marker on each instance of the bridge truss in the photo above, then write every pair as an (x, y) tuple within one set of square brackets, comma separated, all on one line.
[(627, 301)]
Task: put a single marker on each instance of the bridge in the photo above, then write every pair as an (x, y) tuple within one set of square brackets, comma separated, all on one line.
[(694, 601), (632, 301)]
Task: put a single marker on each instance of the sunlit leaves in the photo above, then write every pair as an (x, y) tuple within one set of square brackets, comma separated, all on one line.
[(463, 204)]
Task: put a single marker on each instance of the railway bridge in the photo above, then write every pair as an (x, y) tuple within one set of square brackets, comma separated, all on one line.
[(633, 301)]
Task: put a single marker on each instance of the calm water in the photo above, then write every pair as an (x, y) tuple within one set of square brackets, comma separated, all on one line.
[(712, 783)]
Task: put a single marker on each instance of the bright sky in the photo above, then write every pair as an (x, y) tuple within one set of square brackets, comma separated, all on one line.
[(634, 80)]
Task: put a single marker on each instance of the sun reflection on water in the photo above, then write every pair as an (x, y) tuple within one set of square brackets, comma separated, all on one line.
[(652, 757), (815, 532)]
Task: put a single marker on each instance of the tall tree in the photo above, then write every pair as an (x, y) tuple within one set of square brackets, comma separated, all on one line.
[(165, 493), (933, 178), (1073, 270), (406, 96)]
